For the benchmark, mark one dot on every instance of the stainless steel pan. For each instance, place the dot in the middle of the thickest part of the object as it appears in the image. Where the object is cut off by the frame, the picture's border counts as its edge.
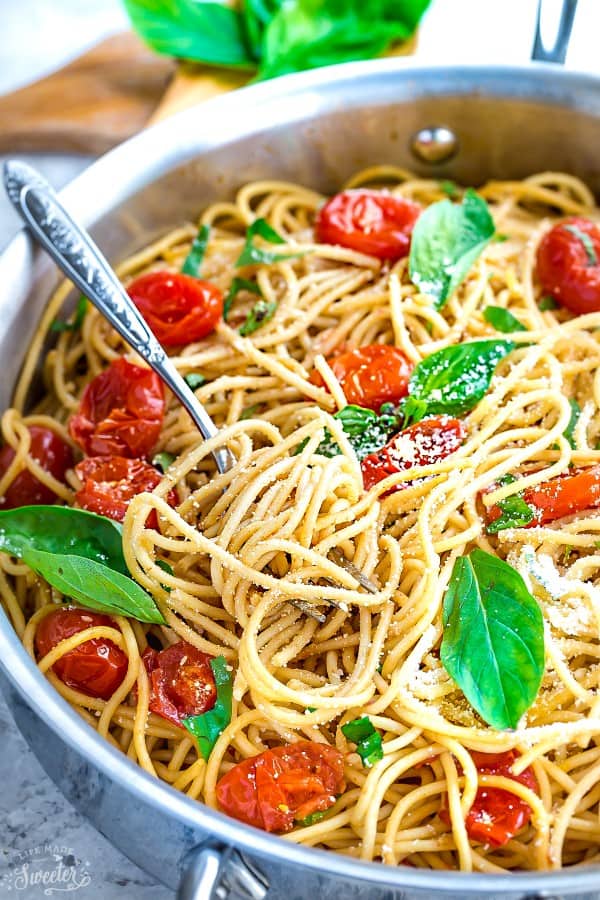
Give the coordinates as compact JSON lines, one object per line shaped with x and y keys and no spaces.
{"x":316,"y":128}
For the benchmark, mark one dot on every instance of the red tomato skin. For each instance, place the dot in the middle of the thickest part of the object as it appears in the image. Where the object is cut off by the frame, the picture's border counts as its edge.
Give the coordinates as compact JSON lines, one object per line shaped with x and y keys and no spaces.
{"x":52,"y":453}
{"x":182,"y":683}
{"x":563,"y":267}
{"x":111,"y":482}
{"x":422,"y":444}
{"x":282,"y":785}
{"x":559,"y":497}
{"x":372,"y":222}
{"x":120,"y":413}
{"x":178,"y":308}
{"x":95,"y":668}
{"x":371,"y":375}
{"x":497,"y":815}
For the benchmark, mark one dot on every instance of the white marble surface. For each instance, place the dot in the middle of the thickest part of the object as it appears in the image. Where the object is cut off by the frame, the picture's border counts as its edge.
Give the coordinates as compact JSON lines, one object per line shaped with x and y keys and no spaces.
{"x":38,"y":828}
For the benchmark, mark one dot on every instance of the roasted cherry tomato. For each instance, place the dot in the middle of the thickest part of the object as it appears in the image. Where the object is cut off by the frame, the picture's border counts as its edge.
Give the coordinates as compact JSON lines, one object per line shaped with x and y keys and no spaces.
{"x":97,"y":667}
{"x":182,"y":683}
{"x":422,"y":444}
{"x":283,"y":785}
{"x":497,"y":815}
{"x":370,"y":376}
{"x":568,"y":265}
{"x":372,"y":222}
{"x":178,"y":308}
{"x":54,"y":455}
{"x":111,"y":482}
{"x":121,"y":412}
{"x":559,"y":497}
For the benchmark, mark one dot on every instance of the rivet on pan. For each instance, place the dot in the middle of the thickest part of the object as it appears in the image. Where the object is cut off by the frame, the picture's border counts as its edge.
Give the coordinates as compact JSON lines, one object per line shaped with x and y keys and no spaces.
{"x":434,"y":145}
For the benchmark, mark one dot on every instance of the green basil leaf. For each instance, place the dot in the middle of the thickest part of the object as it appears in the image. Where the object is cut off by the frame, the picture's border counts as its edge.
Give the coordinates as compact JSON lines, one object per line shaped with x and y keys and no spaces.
{"x":62,"y":530}
{"x":569,"y":431}
{"x":493,"y":643}
{"x":193,"y":261}
{"x":450,"y":189}
{"x":367,"y":431}
{"x":516,"y":513}
{"x":237,"y":285}
{"x":194,"y":380}
{"x":94,"y":585}
{"x":587,"y":242}
{"x":164,"y":565}
{"x":162,"y":461}
{"x":189,"y":29}
{"x":368,"y":741}
{"x":453,"y":380}
{"x":75,"y":323}
{"x":256,"y":16}
{"x":262,"y":312}
{"x":502,"y":320}
{"x":208,"y":727}
{"x":547,"y":303}
{"x":250,"y":411}
{"x":313,"y":818}
{"x":252,"y":255}
{"x":446,"y":241}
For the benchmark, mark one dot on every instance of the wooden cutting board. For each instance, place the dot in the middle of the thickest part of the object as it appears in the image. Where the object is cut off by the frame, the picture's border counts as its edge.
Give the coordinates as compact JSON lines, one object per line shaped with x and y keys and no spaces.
{"x":107,"y":95}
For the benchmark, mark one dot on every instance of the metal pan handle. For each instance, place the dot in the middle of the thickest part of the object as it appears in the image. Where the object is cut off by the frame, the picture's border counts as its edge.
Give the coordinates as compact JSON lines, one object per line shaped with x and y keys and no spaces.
{"x":556,"y":51}
{"x":212,"y":873}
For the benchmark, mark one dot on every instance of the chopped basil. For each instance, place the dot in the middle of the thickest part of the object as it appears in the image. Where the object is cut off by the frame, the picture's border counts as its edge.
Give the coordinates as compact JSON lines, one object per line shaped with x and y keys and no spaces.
{"x":237,"y":285}
{"x":250,"y":411}
{"x":164,"y":565}
{"x":450,"y":189}
{"x":587,"y":242}
{"x":493,"y":641}
{"x":446,"y":241}
{"x":76,"y":321}
{"x":162,"y":460}
{"x":193,"y":261}
{"x":208,"y":727}
{"x":567,"y":553}
{"x":502,"y":320}
{"x":368,"y":742}
{"x":194,"y":380}
{"x":366,"y":430}
{"x":569,"y":431}
{"x":499,"y":238}
{"x":313,"y":818}
{"x":516,"y":513}
{"x":547,"y":303}
{"x":252,"y":255}
{"x":262,"y":312}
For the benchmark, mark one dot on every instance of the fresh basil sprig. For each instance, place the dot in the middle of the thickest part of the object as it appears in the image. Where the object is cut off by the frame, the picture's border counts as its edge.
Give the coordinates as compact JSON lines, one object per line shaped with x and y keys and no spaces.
{"x":502,"y":320}
{"x":493,"y":643}
{"x":76,"y":321}
{"x":237,"y":285}
{"x":253,"y":255}
{"x":261,"y":313}
{"x":193,"y":261}
{"x":80,"y":554}
{"x":515,"y":512}
{"x":208,"y":726}
{"x":446,"y":240}
{"x":368,"y":741}
{"x":453,"y":380}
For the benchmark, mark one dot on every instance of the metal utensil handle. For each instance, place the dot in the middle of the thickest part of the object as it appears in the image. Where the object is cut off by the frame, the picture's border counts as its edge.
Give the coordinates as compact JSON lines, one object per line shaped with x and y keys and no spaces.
{"x":212,"y":874}
{"x":75,"y":253}
{"x":557,"y":52}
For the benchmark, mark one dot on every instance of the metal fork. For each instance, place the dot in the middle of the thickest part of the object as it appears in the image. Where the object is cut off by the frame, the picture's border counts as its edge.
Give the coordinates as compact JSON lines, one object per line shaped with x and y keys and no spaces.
{"x":76,"y":254}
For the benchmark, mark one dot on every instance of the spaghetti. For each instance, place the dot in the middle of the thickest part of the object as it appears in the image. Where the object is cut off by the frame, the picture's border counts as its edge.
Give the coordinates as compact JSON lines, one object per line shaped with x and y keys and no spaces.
{"x":250,"y":572}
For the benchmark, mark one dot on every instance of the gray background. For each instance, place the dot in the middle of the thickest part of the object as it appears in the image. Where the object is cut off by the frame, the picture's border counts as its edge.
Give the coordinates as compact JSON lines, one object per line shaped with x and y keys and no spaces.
{"x":35,"y":37}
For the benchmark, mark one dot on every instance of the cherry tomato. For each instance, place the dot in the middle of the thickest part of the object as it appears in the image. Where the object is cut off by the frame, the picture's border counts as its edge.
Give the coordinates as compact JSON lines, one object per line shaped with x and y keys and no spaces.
{"x":497,"y":815}
{"x":565,"y":268}
{"x":372,"y":222}
{"x":422,"y":444}
{"x":97,"y":667}
{"x":182,"y":683}
{"x":560,"y":496}
{"x":111,"y":482}
{"x":283,"y":785}
{"x":54,"y":455}
{"x":121,"y":412}
{"x":371,"y":375}
{"x":178,"y":308}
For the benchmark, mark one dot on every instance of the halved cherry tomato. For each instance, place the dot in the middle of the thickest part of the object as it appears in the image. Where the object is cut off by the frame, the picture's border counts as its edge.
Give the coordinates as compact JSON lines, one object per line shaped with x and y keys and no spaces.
{"x":283,"y":785}
{"x":497,"y":815}
{"x":371,"y":375}
{"x":111,"y":482}
{"x":182,"y":683}
{"x":423,"y":444}
{"x":54,"y":455}
{"x":178,"y":308}
{"x":372,"y":222}
{"x":97,"y":667}
{"x":565,"y":269}
{"x":121,"y":412}
{"x":559,"y":497}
